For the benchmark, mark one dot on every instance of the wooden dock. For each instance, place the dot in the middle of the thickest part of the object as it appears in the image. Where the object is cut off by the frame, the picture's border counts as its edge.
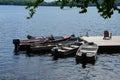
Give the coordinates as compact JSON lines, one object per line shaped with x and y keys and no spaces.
{"x":111,"y":46}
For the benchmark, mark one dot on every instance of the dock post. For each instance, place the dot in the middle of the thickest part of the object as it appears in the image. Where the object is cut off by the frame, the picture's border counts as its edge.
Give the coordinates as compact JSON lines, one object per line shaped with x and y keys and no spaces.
{"x":87,"y":34}
{"x":110,"y":35}
{"x":16,"y":43}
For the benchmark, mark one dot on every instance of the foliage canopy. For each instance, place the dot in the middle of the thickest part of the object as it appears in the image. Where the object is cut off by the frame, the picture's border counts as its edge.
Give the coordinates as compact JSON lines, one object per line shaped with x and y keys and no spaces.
{"x":106,"y":8}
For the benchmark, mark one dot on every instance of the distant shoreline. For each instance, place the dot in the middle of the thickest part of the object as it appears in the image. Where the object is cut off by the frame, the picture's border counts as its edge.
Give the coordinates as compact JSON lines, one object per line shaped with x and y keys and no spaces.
{"x":23,"y":4}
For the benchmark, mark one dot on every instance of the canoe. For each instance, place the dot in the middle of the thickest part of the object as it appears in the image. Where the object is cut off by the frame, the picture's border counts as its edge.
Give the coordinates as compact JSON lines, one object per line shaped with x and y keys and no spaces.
{"x":64,"y":51}
{"x":87,"y":53}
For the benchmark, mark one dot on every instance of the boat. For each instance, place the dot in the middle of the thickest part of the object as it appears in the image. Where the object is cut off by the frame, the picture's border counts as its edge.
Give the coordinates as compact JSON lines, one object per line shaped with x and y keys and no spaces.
{"x":21,"y":45}
{"x":45,"y":39}
{"x":51,"y":38}
{"x":39,"y":48}
{"x":64,"y":51}
{"x":87,"y":53}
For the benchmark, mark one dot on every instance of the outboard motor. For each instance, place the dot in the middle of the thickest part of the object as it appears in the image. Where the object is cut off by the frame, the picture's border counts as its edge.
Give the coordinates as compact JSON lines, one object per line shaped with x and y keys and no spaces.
{"x":84,"y":62}
{"x":54,"y":53}
{"x":28,"y":50}
{"x":16,"y":43}
{"x":56,"y":50}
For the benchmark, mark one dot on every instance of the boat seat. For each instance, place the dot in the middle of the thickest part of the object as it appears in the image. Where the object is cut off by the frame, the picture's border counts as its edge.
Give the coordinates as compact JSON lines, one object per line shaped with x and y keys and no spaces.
{"x":86,"y":51}
{"x":67,"y":48}
{"x":74,"y":46}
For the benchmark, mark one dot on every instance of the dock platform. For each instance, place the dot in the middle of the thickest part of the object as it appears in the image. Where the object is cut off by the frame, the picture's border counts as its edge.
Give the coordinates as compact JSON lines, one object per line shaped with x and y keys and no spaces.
{"x":110,"y":46}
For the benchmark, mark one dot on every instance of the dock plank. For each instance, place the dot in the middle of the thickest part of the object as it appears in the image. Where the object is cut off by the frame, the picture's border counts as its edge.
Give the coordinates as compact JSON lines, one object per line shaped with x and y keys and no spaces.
{"x":105,"y":46}
{"x":114,"y":41}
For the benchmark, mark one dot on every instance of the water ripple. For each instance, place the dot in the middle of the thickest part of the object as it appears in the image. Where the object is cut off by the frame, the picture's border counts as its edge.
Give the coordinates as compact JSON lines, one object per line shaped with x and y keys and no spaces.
{"x":52,"y":20}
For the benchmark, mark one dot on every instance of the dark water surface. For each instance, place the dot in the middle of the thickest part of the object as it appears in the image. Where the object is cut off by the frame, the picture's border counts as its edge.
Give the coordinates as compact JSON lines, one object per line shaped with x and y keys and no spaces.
{"x":52,"y":20}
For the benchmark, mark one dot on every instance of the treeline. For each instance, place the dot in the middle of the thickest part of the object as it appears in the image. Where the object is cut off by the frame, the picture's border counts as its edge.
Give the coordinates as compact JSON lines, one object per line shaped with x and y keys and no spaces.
{"x":23,"y":2}
{"x":13,"y":2}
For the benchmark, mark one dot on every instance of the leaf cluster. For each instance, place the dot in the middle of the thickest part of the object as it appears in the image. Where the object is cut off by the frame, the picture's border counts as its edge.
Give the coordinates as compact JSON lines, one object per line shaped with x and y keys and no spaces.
{"x":31,"y":6}
{"x":106,"y":8}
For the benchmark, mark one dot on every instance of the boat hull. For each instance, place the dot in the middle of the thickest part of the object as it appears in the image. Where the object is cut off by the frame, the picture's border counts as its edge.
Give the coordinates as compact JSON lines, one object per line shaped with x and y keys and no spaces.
{"x":40,"y":49}
{"x":22,"y":45}
{"x":69,"y":53}
{"x":66,"y":51}
{"x":87,"y":53}
{"x":82,"y":60}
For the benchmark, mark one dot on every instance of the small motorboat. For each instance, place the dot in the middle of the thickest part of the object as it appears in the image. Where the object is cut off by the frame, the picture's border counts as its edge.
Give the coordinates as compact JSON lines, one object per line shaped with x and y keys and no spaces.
{"x":87,"y":53}
{"x":21,"y":45}
{"x":39,"y":48}
{"x":67,"y":50}
{"x":51,"y":37}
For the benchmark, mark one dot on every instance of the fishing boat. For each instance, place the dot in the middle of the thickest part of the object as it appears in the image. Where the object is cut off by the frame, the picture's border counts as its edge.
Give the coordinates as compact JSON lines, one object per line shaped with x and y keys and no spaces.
{"x":67,"y":50}
{"x":87,"y":53}
{"x":21,"y":45}
{"x":51,"y":38}
{"x":39,"y":48}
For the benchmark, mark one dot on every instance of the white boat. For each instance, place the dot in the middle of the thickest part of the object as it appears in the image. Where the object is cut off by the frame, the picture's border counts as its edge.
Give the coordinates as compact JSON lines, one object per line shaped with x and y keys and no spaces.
{"x":87,"y":53}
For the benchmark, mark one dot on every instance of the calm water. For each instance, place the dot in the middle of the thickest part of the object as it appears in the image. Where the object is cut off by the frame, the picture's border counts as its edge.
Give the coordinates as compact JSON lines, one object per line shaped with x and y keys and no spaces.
{"x":52,"y":20}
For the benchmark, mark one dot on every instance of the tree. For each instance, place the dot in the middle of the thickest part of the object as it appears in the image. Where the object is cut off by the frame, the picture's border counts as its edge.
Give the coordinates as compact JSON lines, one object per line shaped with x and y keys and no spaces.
{"x":106,"y":8}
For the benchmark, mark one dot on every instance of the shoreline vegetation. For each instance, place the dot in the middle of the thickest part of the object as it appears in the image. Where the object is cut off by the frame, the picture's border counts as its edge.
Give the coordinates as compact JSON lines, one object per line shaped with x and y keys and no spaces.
{"x":23,"y":3}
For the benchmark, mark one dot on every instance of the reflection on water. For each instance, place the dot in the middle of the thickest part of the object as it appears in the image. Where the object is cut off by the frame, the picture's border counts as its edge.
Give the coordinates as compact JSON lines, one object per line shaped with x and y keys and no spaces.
{"x":43,"y":67}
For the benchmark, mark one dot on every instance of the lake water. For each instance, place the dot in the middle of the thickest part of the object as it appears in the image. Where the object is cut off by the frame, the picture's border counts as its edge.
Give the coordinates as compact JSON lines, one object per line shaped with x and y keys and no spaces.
{"x":53,"y":20}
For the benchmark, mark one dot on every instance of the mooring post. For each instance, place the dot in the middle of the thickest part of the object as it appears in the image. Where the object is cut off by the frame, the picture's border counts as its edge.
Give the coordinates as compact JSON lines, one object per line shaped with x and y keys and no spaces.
{"x":87,"y":34}
{"x":110,"y":35}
